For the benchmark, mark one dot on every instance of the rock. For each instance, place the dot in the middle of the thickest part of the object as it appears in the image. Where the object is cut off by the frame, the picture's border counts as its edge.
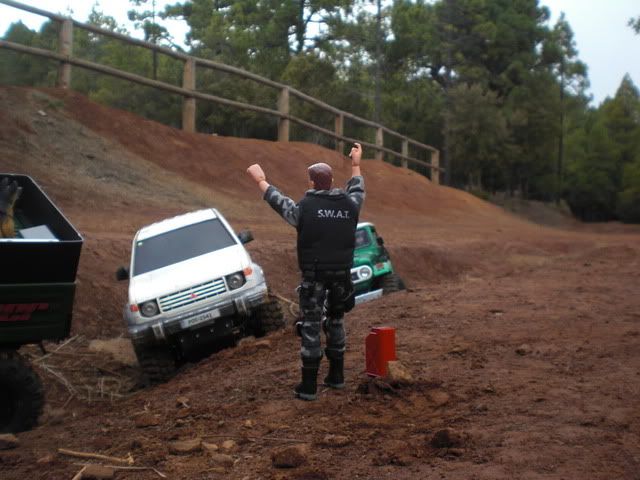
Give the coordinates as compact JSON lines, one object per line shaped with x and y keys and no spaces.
{"x":119,"y":348}
{"x":397,"y":373}
{"x":290,"y":457}
{"x":523,"y":349}
{"x":249,"y":424}
{"x":147,"y":420}
{"x":376,"y":386}
{"x":448,"y":438}
{"x":221,"y":460}
{"x":458,"y":350}
{"x":479,"y":408}
{"x":456,"y":452}
{"x":488,"y":389}
{"x":183,"y":413}
{"x":210,"y":447}
{"x":250,"y":343}
{"x":46,"y":459}
{"x":438,"y":397}
{"x":8,"y":441}
{"x":185,"y":446}
{"x":263,"y":344}
{"x":229,"y":445}
{"x":97,"y":472}
{"x":336,"y":441}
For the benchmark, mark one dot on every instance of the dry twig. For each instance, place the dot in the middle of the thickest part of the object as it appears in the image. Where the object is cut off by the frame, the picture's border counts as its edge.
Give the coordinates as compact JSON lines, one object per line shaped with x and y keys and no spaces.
{"x":62,"y":345}
{"x":78,"y":476}
{"x":58,"y":376}
{"x":96,"y":456}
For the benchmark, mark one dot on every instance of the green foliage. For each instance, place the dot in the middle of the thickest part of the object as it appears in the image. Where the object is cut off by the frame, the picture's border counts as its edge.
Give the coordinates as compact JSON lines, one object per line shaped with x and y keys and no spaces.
{"x":591,"y":190}
{"x":23,"y":69}
{"x":146,"y":21}
{"x":629,"y":197}
{"x":603,"y":181}
{"x":478,"y":129}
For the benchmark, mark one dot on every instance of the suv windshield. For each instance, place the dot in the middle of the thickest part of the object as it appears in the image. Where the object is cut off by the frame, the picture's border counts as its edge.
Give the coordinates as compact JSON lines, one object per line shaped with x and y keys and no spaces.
{"x":179,"y":245}
{"x":362,"y":238}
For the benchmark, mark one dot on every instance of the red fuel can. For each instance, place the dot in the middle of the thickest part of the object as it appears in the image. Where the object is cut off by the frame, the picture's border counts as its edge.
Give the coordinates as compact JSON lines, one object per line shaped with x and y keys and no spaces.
{"x":380,"y":346}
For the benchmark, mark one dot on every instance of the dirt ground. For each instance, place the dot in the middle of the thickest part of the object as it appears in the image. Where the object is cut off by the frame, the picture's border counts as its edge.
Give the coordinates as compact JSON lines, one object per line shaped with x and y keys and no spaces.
{"x":523,"y":340}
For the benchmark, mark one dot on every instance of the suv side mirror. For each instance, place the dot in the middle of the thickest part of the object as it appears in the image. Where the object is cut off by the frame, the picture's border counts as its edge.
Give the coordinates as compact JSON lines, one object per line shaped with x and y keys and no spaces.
{"x":245,"y":236}
{"x":122,"y":274}
{"x":380,"y":241}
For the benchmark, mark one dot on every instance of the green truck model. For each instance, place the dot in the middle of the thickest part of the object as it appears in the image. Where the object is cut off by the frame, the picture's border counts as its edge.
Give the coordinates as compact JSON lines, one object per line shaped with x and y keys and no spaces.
{"x":39,"y":254}
{"x":372,"y":273}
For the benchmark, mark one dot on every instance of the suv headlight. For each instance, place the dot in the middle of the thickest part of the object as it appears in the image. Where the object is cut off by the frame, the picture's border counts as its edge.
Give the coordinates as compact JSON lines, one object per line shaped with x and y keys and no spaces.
{"x":149,"y":309}
{"x":365,"y":272}
{"x":235,"y":280}
{"x":361,"y":274}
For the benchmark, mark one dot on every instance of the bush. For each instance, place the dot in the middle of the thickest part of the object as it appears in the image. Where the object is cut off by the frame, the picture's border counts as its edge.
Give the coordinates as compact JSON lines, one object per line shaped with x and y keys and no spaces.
{"x":629,"y":198}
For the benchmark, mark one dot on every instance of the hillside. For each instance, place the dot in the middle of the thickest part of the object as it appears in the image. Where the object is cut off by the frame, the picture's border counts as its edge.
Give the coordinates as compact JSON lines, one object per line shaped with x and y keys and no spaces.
{"x":523,"y":339}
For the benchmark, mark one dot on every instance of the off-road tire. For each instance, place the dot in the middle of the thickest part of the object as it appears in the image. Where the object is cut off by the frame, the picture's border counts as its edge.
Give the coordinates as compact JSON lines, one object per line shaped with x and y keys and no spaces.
{"x":158,"y":364}
{"x":391,"y":283}
{"x":268,"y":317}
{"x":21,"y":394}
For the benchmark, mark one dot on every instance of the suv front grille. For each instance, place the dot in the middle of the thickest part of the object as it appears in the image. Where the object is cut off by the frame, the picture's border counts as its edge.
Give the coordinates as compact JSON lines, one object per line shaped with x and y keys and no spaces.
{"x":191,"y":295}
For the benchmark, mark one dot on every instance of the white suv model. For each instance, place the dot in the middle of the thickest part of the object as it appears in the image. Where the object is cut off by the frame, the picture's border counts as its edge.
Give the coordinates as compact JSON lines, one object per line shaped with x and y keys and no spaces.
{"x":192,"y":284}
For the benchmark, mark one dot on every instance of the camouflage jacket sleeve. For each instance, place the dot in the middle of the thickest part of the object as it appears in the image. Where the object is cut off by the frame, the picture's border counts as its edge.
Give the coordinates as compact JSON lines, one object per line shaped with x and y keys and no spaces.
{"x":286,"y":208}
{"x":355,"y":190}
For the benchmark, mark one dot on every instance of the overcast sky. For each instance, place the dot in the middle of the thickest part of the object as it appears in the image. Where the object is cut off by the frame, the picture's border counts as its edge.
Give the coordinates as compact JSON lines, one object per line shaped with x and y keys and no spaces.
{"x":605,"y":43}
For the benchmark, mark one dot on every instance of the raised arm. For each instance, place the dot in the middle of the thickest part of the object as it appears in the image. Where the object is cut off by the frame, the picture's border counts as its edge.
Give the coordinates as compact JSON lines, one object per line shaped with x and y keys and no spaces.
{"x":286,"y":208}
{"x":355,"y":185}
{"x":356,"y":156}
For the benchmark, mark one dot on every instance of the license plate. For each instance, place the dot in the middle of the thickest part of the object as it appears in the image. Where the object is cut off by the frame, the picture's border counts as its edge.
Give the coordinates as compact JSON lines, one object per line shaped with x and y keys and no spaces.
{"x":210,"y":315}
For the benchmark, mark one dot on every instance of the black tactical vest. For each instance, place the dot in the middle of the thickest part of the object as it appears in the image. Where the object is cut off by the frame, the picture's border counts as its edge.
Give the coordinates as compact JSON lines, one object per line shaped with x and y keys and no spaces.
{"x":326,"y":231}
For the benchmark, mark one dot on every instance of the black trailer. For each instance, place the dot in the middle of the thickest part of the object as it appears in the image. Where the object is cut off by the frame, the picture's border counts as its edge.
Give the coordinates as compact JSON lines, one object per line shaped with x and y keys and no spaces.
{"x":37,"y":286}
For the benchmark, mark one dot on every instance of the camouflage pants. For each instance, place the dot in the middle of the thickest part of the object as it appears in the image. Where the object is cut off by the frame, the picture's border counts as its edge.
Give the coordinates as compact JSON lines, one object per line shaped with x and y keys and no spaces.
{"x":323,"y":303}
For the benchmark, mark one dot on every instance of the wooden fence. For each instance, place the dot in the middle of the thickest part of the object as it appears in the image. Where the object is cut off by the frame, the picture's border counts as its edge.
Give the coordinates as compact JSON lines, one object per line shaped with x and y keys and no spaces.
{"x":189,"y":94}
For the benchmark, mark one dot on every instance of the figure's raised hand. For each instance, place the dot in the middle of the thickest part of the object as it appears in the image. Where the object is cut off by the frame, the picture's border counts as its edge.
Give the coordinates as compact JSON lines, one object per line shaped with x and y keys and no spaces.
{"x":255,"y":171}
{"x":356,"y":154}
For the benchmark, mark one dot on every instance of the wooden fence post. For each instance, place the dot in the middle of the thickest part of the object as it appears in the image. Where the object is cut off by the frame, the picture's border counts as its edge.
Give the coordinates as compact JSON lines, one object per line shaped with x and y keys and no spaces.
{"x":379,"y":143}
{"x":405,"y":152}
{"x":189,"y":103}
{"x":65,"y":47}
{"x":339,"y":130}
{"x":283,"y":108}
{"x":435,"y":162}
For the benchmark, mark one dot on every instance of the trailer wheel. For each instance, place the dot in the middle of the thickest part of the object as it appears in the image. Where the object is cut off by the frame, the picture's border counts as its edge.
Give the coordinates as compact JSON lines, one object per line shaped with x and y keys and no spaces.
{"x":21,"y":394}
{"x":158,"y":364}
{"x":391,"y":283}
{"x":268,"y":318}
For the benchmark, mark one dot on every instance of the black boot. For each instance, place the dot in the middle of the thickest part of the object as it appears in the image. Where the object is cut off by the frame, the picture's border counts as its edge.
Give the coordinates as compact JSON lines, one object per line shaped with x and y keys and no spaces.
{"x":335,"y":379}
{"x":306,"y":390}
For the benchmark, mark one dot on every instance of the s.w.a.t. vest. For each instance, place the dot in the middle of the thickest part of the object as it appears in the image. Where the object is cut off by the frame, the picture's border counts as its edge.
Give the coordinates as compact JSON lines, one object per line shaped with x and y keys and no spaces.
{"x":326,"y":231}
